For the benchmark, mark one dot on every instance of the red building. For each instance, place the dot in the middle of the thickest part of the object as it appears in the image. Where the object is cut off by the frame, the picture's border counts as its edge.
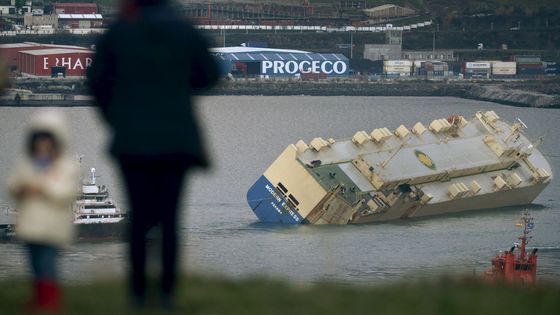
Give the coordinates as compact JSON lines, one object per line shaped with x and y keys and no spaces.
{"x":55,"y":62}
{"x":75,"y":8}
{"x":9,"y":52}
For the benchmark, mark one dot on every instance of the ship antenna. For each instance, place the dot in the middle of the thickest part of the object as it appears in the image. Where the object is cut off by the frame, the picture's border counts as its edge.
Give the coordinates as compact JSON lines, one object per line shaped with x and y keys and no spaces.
{"x":527,"y":227}
{"x":92,"y":178}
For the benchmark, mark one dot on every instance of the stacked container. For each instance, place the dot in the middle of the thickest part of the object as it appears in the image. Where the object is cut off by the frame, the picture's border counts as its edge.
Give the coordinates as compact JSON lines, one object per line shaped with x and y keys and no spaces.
{"x":504,"y":69}
{"x":397,"y":68}
{"x":477,"y":70}
{"x":551,"y":69}
{"x":530,"y":66}
{"x":434,"y":69}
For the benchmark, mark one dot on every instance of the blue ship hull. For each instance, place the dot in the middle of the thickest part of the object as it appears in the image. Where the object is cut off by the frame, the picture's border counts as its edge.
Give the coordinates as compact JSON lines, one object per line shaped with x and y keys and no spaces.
{"x":270,"y":205}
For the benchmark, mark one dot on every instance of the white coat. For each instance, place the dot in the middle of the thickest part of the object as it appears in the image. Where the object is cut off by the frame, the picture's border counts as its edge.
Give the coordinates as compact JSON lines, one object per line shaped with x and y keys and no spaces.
{"x":46,"y":218}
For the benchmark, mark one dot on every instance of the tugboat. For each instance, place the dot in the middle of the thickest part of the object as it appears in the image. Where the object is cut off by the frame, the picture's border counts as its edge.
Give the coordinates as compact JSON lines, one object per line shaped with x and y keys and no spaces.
{"x":514,"y":265}
{"x":95,"y":215}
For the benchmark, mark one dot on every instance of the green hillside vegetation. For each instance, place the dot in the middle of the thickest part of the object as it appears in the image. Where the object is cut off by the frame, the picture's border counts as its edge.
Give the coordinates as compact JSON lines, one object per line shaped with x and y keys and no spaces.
{"x":201,"y":295}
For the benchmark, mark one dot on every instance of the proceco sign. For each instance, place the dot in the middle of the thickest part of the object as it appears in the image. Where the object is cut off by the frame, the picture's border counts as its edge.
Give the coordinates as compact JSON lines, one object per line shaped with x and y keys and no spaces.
{"x":293,"y":67}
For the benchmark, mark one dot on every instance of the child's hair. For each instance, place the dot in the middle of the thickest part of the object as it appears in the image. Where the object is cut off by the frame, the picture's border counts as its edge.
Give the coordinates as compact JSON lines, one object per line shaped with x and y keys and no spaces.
{"x":41,"y":135}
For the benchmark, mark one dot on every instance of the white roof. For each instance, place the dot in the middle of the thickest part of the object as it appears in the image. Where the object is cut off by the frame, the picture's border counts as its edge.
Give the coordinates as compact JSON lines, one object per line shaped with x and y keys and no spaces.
{"x":56,"y":51}
{"x":18,"y":45}
{"x":241,"y":49}
{"x":33,"y":44}
{"x":80,"y":16}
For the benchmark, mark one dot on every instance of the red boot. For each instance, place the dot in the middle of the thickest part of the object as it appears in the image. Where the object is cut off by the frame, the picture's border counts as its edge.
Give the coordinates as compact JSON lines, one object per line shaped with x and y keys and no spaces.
{"x":48,"y":299}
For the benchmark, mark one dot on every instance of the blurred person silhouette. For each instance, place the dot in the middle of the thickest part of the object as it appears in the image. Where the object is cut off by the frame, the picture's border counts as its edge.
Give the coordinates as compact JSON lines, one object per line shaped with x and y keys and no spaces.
{"x":44,"y":185}
{"x":146,"y":68}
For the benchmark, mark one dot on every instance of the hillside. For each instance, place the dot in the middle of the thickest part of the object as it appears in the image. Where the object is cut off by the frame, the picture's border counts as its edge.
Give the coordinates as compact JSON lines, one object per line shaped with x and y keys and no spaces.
{"x":199,"y":295}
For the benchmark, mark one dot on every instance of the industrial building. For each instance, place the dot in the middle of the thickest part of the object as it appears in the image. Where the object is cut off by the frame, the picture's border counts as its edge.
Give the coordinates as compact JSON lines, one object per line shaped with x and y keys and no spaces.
{"x":75,"y":8}
{"x":32,"y":20}
{"x":10,"y":52}
{"x":382,"y":52}
{"x":268,"y":63}
{"x":55,"y":62}
{"x":392,"y":49}
{"x":438,"y":54}
{"x":80,"y":20}
{"x":388,"y":11}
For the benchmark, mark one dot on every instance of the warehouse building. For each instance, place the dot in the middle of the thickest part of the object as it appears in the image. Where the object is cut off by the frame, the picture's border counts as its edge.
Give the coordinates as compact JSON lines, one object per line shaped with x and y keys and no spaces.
{"x":75,"y":8}
{"x":388,"y":11}
{"x":80,"y":20}
{"x":438,"y":54}
{"x":268,"y":63}
{"x":382,"y":52}
{"x":10,"y":52}
{"x":32,"y":20}
{"x":55,"y":62}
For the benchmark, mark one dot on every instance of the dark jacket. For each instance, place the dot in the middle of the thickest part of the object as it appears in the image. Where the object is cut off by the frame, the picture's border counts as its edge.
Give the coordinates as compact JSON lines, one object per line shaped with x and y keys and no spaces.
{"x":145,"y":71}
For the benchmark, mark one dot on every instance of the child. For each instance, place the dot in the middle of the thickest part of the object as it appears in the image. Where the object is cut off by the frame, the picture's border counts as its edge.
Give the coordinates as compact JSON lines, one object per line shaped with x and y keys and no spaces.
{"x":44,"y":186}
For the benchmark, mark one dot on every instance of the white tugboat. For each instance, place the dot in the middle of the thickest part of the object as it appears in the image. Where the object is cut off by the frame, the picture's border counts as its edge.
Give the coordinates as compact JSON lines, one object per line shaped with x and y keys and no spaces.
{"x":96,"y":216}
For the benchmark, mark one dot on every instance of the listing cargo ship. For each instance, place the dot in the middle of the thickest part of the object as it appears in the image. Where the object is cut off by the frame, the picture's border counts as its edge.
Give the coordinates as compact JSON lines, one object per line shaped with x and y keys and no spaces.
{"x":451,"y":165}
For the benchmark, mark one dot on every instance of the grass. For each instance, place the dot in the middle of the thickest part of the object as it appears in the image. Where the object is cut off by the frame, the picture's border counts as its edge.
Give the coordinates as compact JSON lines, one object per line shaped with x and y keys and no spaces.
{"x":203,"y":295}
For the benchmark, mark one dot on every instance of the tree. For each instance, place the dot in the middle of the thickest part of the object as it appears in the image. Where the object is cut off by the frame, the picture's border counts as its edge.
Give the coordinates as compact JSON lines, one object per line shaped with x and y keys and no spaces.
{"x":19,"y":4}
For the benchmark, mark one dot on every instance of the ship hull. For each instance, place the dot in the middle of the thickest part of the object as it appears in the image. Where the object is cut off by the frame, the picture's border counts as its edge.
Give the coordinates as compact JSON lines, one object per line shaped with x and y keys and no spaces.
{"x":500,"y":199}
{"x":102,"y":231}
{"x":271,"y":207}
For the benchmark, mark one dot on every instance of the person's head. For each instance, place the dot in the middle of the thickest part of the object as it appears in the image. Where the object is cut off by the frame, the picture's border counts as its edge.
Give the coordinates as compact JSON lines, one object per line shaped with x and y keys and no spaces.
{"x":47,"y":136}
{"x":43,"y":146}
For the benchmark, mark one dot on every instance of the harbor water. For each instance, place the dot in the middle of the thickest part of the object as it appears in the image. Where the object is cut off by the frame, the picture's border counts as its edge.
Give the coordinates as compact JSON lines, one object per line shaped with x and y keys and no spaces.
{"x":221,"y":235}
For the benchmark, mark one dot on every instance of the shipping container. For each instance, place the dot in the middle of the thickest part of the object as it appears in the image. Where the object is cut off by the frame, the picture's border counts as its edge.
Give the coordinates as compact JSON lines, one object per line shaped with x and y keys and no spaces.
{"x":397,"y":69}
{"x":502,"y":68}
{"x":476,"y":75}
{"x":504,"y":64}
{"x":398,"y":63}
{"x":478,"y":65}
{"x":531,"y":71}
{"x":551,"y":68}
{"x":527,"y":59}
{"x":504,"y":71}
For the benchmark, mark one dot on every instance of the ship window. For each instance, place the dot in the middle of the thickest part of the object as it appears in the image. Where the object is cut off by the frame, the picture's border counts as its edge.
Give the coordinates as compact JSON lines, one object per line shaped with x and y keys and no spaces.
{"x":294,"y":200}
{"x":291,"y":203}
{"x":282,"y":188}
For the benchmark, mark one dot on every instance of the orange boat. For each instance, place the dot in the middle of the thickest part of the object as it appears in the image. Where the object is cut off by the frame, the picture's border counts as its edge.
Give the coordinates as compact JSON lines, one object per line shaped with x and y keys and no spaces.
{"x":515,"y":265}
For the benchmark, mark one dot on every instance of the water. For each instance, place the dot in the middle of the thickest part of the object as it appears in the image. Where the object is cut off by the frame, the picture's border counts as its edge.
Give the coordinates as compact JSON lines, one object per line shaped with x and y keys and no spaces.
{"x":221,"y":235}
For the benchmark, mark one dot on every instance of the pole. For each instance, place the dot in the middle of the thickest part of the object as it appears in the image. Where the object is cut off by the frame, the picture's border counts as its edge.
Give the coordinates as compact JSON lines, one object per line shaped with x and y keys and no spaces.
{"x":351,"y":45}
{"x":434,"y":45}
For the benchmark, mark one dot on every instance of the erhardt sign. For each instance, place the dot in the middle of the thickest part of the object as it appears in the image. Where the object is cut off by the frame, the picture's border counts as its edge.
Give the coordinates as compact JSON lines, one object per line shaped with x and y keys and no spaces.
{"x":69,"y":63}
{"x":278,"y":67}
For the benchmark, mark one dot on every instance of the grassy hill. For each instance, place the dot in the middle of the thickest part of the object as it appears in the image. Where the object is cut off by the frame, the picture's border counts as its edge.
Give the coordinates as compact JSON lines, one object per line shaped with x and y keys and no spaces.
{"x":200,"y":295}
